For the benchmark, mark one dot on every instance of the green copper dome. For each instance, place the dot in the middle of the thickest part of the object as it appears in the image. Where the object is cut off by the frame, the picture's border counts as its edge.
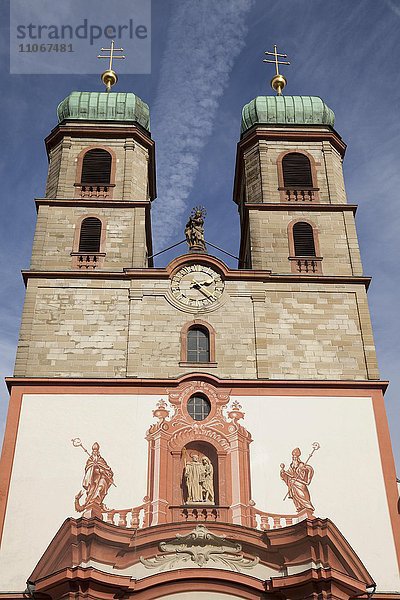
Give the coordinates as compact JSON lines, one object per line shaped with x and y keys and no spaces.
{"x":103,"y":106}
{"x":286,"y":110}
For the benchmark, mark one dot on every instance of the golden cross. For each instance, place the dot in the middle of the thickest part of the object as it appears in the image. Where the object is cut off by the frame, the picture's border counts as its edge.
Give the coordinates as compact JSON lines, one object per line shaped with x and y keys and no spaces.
{"x":111,"y":56}
{"x":278,"y":82}
{"x":109,"y":77}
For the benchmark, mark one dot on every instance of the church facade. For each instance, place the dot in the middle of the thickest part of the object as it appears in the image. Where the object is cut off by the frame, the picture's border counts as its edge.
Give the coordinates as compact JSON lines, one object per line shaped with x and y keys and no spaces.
{"x":197,"y":431}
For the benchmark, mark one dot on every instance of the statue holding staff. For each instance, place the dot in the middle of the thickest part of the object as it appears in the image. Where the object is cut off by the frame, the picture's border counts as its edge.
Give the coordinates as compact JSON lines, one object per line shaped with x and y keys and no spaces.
{"x":97,"y":479}
{"x":298,"y":477}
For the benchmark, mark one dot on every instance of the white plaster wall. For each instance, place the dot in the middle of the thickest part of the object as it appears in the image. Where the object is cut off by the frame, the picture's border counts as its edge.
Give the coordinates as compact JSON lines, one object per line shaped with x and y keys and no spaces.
{"x":48,"y":470}
{"x":348,"y":485}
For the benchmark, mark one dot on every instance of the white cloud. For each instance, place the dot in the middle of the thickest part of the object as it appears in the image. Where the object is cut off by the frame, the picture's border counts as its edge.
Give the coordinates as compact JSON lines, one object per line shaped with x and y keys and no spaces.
{"x":204,"y":39}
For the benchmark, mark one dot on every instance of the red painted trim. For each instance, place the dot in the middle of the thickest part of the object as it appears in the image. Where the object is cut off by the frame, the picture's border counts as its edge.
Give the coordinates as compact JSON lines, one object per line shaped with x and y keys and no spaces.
{"x":8,"y":452}
{"x":257,"y":387}
{"x":77,"y":237}
{"x":79,"y":167}
{"x":281,"y":181}
{"x":81,"y":540}
{"x":292,"y":252}
{"x":388,"y":466}
{"x":211,"y":341}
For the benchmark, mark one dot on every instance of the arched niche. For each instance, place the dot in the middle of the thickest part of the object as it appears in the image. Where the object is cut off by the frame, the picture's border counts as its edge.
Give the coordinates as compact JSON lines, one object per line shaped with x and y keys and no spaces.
{"x":203,"y":450}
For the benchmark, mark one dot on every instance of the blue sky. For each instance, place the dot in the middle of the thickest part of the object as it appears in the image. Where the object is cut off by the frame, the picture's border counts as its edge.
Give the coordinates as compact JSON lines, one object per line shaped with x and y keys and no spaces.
{"x":206,"y":64}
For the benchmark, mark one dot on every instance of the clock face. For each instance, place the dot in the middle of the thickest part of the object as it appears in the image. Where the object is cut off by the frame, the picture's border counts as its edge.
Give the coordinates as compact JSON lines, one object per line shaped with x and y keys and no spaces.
{"x":197,"y":285}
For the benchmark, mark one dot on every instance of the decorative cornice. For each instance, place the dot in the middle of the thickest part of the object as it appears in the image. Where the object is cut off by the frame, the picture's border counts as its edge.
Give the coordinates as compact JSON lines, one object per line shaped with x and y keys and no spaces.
{"x":102,"y":129}
{"x":139,"y":385}
{"x":301,"y":206}
{"x":302,"y":133}
{"x":315,"y":541}
{"x":229,"y":275}
{"x":96,"y":203}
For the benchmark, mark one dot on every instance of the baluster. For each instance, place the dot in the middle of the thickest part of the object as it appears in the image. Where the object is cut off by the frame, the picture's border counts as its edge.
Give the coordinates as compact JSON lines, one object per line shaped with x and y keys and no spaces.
{"x":122,"y":518}
{"x":277,"y":523}
{"x":135,"y":521}
{"x":108,"y":517}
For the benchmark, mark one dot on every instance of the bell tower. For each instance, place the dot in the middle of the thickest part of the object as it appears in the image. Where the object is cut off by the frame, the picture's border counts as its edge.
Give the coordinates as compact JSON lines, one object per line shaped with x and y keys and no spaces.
{"x":93,"y":223}
{"x":101,"y":166}
{"x":289,"y":186}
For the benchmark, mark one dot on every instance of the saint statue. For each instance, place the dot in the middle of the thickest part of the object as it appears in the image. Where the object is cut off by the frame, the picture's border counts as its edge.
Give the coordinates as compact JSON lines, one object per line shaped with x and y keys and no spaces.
{"x":194,"y":230}
{"x":298,"y":477}
{"x":207,"y":482}
{"x":199,"y":480}
{"x":96,"y":481}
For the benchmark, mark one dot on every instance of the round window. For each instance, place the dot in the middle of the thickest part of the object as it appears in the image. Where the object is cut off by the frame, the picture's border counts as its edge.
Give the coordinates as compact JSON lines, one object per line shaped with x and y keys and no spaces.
{"x":198,"y":407}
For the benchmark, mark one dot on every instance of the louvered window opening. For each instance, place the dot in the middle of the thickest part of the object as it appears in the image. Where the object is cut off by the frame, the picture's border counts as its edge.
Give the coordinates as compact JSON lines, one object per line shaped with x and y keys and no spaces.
{"x":198,"y":345}
{"x":296,"y":171}
{"x":303,"y":236}
{"x":96,"y":167}
{"x":89,"y":240}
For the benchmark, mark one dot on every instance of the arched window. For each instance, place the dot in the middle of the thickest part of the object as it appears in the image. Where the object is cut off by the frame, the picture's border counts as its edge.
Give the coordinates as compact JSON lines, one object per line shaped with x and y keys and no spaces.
{"x":96,"y":167}
{"x":304,"y":248}
{"x":303,"y":239}
{"x":198,"y":345}
{"x":296,"y":169}
{"x":90,"y":235}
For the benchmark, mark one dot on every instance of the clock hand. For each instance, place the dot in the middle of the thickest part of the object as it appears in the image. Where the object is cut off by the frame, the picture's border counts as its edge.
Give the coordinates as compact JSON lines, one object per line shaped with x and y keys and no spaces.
{"x":201,"y":289}
{"x":196,"y":283}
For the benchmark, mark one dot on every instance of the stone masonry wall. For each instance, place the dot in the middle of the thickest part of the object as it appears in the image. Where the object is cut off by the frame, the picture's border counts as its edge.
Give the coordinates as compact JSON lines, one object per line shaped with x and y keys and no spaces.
{"x":131,"y":167}
{"x":104,"y":328}
{"x":261,"y":170}
{"x":269,"y":240}
{"x":57,"y":235}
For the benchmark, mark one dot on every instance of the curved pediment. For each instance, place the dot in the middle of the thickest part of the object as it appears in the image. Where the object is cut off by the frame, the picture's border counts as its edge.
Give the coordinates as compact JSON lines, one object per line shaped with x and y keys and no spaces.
{"x":311,"y":552}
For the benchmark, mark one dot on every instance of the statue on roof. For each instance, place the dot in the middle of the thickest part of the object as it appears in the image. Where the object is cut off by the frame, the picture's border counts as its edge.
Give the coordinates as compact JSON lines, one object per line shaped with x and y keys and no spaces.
{"x":194,"y":230}
{"x":96,"y":482}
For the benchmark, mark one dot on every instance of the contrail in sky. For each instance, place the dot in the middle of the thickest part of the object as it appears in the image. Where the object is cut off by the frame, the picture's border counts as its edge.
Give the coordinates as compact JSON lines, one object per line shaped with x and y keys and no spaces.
{"x":204,"y":39}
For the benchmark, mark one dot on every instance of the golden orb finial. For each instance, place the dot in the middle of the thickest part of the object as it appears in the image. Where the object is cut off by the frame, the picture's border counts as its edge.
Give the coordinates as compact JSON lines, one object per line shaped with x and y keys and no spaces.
{"x":278,"y":82}
{"x":109,"y":77}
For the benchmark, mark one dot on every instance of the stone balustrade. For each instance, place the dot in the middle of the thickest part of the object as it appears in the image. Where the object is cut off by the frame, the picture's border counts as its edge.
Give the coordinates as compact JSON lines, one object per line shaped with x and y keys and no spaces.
{"x":266,"y":521}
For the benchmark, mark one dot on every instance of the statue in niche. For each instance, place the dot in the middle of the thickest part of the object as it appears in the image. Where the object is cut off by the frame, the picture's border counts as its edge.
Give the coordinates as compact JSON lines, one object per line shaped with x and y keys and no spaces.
{"x":198,"y":477}
{"x":194,"y":230}
{"x":97,"y":480}
{"x":297,"y":478}
{"x":207,"y":482}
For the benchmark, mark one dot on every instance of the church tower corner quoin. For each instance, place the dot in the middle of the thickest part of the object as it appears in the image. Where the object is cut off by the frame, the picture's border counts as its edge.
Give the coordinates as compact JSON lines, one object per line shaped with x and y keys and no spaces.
{"x":196,"y":428}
